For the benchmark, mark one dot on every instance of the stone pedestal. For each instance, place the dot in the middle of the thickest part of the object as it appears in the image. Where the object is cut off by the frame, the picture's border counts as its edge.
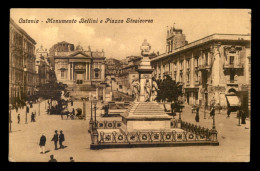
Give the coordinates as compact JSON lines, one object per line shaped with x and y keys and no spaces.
{"x":146,"y":116}
{"x":145,"y":73}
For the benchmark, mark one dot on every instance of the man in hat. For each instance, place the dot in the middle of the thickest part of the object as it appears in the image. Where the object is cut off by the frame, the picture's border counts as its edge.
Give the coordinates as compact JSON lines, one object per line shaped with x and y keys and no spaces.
{"x":52,"y":159}
{"x":61,"y":139}
{"x":55,"y":139}
{"x":42,"y":144}
{"x":71,"y":159}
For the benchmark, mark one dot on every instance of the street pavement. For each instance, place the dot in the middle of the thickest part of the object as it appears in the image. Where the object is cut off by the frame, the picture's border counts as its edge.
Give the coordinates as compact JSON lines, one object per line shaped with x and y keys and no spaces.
{"x":24,"y":141}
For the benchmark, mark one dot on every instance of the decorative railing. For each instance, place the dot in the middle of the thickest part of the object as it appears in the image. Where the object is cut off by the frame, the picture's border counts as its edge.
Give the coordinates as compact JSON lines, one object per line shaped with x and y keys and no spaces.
{"x":189,"y":132}
{"x":109,"y":124}
{"x":197,"y":130}
{"x":149,"y":137}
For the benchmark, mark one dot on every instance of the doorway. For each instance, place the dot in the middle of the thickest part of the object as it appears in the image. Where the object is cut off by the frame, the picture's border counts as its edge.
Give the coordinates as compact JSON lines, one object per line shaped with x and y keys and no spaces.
{"x":79,"y":77}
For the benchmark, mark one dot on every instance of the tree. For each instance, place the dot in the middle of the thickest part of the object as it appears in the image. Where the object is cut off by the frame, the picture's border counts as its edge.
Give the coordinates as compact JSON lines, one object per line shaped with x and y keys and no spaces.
{"x":170,"y":91}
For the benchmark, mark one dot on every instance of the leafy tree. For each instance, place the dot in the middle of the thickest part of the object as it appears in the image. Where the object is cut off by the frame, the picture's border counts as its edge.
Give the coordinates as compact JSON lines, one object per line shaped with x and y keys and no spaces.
{"x":170,"y":91}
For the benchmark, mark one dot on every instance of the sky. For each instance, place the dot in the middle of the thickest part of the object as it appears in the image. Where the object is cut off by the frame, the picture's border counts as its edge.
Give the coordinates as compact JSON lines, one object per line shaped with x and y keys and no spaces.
{"x":119,"y":40}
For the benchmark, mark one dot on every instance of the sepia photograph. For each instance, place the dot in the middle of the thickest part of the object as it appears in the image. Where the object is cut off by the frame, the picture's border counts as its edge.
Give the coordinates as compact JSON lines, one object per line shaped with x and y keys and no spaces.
{"x":129,"y":85}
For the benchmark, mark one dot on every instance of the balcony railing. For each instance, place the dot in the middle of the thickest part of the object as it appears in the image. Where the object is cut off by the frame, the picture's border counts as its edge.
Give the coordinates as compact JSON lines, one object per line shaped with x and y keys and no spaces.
{"x":233,"y":66}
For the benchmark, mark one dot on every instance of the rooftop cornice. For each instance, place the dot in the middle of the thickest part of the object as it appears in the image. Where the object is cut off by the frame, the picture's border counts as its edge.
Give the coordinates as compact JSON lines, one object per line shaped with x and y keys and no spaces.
{"x":22,"y":31}
{"x":213,"y":37}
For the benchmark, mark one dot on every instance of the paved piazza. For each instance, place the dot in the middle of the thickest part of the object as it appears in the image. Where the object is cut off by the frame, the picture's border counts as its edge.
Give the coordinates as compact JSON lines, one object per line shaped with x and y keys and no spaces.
{"x":24,"y":139}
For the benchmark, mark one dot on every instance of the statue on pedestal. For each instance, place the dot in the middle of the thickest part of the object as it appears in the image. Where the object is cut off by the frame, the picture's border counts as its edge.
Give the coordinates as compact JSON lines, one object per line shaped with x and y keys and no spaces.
{"x":145,"y":48}
{"x":147,"y":90}
{"x":136,"y":89}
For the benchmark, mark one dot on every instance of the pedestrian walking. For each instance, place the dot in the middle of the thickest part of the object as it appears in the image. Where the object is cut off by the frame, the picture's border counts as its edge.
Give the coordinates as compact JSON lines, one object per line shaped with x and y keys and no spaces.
{"x":61,"y":139}
{"x":228,"y":112}
{"x":243,"y":116}
{"x":32,"y":115}
{"x":18,"y":118}
{"x":52,"y":159}
{"x":42,"y":144}
{"x":71,"y":102}
{"x":197,"y":117}
{"x":55,"y":139}
{"x":71,"y":159}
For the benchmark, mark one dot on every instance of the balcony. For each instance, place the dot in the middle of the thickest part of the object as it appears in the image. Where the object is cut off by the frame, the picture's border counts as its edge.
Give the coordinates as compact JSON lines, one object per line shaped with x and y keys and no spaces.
{"x":233,"y":66}
{"x":232,"y":82}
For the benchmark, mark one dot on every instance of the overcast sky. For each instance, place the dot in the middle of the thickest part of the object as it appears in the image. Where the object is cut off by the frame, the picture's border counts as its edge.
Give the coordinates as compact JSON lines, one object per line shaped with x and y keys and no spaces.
{"x":121,"y":40}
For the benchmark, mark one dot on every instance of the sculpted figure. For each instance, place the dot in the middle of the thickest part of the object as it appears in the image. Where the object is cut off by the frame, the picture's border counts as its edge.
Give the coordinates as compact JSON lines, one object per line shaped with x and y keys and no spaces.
{"x":147,"y":90}
{"x":154,"y":89}
{"x":136,"y":89}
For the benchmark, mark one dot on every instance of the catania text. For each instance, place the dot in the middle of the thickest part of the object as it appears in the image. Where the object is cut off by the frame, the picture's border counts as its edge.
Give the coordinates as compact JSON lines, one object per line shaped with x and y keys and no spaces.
{"x":88,"y":20}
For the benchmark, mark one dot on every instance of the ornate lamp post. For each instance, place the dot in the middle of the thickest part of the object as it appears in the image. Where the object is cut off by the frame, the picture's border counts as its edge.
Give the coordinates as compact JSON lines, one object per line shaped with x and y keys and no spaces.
{"x":91,"y":116}
{"x":10,"y":118}
{"x":94,"y":133}
{"x":24,"y":81}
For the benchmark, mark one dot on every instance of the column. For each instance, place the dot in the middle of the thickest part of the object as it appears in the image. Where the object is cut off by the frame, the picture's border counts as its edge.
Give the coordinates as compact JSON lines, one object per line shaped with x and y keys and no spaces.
{"x":192,"y":70}
{"x":86,"y":71}
{"x":89,"y":66}
{"x":97,"y":93}
{"x":72,"y":71}
{"x":69,"y":71}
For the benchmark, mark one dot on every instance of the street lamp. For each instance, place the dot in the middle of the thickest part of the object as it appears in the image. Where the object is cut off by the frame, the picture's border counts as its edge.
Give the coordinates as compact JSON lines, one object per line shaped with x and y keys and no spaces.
{"x":95,"y":108}
{"x":24,"y":91}
{"x":91,"y":117}
{"x":10,"y":118}
{"x":94,"y":133}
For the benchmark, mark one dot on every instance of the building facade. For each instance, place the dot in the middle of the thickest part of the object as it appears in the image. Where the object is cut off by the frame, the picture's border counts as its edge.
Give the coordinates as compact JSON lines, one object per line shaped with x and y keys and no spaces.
{"x":42,"y":66}
{"x":209,"y":69}
{"x":78,"y":68}
{"x":22,"y":74}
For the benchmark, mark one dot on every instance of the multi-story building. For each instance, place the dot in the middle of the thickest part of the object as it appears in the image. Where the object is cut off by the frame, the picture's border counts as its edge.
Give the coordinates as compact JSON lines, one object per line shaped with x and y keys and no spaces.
{"x":42,"y":66}
{"x":22,"y":75}
{"x":113,"y":67}
{"x":80,"y":69}
{"x":210,"y":68}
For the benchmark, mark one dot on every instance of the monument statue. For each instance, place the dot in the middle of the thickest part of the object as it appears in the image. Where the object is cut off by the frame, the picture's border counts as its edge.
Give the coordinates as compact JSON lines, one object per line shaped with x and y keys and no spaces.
{"x":154,"y":89}
{"x":147,"y":92}
{"x":136,"y":89}
{"x":145,"y":48}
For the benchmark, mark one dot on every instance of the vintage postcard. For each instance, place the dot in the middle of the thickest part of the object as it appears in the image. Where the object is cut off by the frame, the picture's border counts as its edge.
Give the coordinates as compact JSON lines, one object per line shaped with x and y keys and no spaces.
{"x":129,"y":85}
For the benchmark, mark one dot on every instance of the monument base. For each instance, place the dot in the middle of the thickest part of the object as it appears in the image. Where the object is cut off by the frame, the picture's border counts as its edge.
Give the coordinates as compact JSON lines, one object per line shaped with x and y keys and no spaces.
{"x":142,"y":116}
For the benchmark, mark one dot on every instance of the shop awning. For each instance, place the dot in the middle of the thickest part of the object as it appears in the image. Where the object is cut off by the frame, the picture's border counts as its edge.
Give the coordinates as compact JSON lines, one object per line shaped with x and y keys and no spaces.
{"x":233,"y":101}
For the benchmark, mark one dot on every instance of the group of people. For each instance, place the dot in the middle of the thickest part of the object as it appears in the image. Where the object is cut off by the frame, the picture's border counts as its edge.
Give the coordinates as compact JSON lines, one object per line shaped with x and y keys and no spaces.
{"x":52,"y":159}
{"x":241,"y":114}
{"x":56,"y":137}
